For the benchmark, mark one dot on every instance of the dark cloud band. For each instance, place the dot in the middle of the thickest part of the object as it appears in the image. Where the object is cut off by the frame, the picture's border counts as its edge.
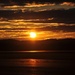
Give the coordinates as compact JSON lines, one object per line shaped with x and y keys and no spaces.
{"x":23,"y":2}
{"x":59,"y":16}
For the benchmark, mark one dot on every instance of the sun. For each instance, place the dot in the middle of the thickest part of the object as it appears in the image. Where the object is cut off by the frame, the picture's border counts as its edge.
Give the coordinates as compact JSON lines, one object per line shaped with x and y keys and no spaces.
{"x":33,"y":34}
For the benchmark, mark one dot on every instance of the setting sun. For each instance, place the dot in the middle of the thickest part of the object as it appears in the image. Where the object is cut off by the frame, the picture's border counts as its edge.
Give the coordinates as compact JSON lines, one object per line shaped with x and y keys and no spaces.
{"x":33,"y":34}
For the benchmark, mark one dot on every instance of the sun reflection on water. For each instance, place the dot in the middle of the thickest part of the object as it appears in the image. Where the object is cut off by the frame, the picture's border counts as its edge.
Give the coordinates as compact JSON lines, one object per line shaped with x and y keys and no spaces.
{"x":33,"y":62}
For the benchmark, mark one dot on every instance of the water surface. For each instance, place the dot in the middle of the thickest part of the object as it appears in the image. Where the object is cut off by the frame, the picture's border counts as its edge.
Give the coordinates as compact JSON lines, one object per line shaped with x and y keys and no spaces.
{"x":37,"y":62}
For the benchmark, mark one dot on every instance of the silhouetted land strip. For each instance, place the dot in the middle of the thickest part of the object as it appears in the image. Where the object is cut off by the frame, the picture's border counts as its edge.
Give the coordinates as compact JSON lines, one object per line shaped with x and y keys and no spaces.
{"x":50,"y":44}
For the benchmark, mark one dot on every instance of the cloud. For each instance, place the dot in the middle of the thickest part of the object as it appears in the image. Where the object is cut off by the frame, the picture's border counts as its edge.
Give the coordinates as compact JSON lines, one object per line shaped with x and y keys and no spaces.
{"x":68,"y":3}
{"x":39,"y":6}
{"x":58,"y":28}
{"x":18,"y":29}
{"x":29,"y":7}
{"x":23,"y":2}
{"x":22,"y":25}
{"x":50,"y":16}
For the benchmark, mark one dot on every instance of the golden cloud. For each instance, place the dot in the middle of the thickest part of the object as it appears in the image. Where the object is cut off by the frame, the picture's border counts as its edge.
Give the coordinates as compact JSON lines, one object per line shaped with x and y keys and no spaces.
{"x":68,"y":3}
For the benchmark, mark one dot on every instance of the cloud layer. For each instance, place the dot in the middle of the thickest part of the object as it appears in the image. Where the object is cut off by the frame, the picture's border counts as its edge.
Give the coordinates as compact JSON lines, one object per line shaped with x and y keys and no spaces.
{"x":49,"y":18}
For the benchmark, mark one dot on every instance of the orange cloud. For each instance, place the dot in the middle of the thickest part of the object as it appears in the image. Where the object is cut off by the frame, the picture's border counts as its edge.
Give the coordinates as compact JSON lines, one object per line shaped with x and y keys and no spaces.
{"x":38,"y":5}
{"x":68,"y":3}
{"x":28,"y":6}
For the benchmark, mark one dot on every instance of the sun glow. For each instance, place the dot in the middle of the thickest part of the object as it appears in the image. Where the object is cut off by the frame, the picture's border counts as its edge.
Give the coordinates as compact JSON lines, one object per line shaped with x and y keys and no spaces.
{"x":33,"y":34}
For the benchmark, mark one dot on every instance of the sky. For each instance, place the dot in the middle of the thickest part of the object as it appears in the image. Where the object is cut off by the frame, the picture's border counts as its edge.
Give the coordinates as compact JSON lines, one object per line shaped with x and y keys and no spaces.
{"x":50,"y":19}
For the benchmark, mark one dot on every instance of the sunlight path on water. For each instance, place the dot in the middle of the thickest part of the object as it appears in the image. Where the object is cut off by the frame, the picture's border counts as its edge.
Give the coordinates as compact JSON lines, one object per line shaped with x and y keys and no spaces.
{"x":36,"y":51}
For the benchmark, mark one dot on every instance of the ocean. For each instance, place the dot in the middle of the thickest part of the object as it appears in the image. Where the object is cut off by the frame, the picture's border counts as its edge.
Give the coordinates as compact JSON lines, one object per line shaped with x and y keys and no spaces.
{"x":38,"y":62}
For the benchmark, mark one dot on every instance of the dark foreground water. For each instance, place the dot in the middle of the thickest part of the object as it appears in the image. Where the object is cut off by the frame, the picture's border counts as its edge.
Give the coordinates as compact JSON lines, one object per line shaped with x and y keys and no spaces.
{"x":37,"y":63}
